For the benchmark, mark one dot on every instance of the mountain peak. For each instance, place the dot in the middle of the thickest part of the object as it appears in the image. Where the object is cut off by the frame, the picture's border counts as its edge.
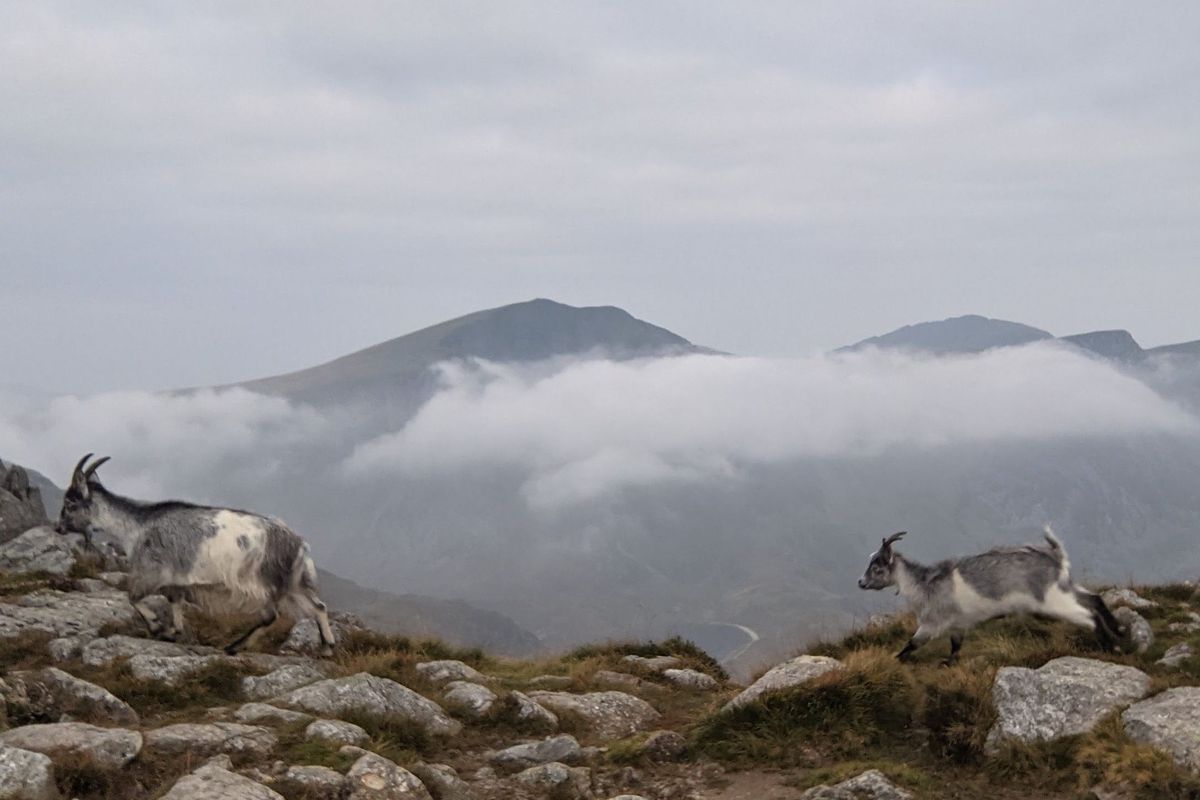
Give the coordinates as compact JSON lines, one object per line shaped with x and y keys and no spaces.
{"x":970,"y":333}
{"x":1118,"y":345}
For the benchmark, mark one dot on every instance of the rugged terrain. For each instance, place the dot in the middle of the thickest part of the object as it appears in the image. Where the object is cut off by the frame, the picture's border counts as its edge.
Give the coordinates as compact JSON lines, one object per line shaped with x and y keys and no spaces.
{"x":1033,"y":710}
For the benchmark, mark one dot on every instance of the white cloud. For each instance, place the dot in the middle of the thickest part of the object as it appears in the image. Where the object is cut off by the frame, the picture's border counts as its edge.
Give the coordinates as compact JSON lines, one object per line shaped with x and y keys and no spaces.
{"x":600,"y":425}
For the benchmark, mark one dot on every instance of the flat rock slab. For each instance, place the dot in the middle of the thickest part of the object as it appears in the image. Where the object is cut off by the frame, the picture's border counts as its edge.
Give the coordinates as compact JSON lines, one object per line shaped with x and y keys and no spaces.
{"x":25,"y":775}
{"x":106,"y":748}
{"x":374,"y":777}
{"x":264,"y":714}
{"x":335,"y":731}
{"x":102,"y":652}
{"x":1064,"y":697}
{"x":169,"y":670}
{"x":561,"y":748}
{"x":800,"y":669}
{"x":315,"y":781}
{"x":1170,"y":722}
{"x":216,"y":783}
{"x":365,"y":693}
{"x":449,"y":670}
{"x":610,"y":715}
{"x":210,"y":739}
{"x":64,"y":613}
{"x":281,"y":680}
{"x":40,"y":549}
{"x":870,"y":785}
{"x":56,"y":692}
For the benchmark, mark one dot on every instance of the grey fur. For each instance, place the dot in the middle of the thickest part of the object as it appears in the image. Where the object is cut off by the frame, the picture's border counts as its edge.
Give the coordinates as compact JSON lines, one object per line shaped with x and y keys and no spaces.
{"x":165,"y":544}
{"x":1005,"y":580}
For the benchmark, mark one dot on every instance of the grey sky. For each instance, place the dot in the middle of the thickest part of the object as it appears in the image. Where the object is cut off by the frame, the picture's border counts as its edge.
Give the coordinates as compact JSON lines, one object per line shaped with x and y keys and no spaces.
{"x":234,"y":189}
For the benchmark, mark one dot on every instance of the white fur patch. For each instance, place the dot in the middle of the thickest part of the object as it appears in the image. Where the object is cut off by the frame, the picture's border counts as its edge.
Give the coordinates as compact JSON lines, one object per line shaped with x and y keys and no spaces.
{"x":232,"y":557}
{"x":976,"y":608}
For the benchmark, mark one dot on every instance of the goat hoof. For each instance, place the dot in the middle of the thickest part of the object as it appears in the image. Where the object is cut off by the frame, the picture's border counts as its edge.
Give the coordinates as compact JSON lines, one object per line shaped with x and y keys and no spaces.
{"x":327,"y":651}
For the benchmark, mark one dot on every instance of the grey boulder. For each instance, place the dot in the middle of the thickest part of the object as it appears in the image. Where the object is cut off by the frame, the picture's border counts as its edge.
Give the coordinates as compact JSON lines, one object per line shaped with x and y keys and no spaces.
{"x":64,"y":613}
{"x":210,"y":739}
{"x":1175,"y":655}
{"x":795,"y":672}
{"x":51,"y":692}
{"x":449,"y":670}
{"x":374,"y":777}
{"x":691,"y":679}
{"x":472,"y":699}
{"x":556,"y":748}
{"x":169,"y":670}
{"x":609,"y":715}
{"x":335,"y":731}
{"x":364,"y":693}
{"x":264,"y":714}
{"x":530,"y":713}
{"x":315,"y":781}
{"x":1137,"y":629}
{"x":284,"y":679}
{"x":1064,"y":697}
{"x":25,"y":775}
{"x":870,"y":785}
{"x":107,"y":748}
{"x":558,"y":780}
{"x":212,"y":782}
{"x":40,"y":549}
{"x":443,"y":782}
{"x":1170,"y":722}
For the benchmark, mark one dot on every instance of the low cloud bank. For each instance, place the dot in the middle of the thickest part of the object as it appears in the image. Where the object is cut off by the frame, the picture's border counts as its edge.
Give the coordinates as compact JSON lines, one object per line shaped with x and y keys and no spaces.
{"x":597,"y":426}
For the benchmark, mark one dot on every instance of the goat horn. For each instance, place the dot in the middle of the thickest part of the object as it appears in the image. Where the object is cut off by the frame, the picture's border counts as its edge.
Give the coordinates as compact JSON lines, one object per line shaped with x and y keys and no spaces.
{"x":90,"y":471}
{"x":895,"y":537}
{"x":78,"y":477}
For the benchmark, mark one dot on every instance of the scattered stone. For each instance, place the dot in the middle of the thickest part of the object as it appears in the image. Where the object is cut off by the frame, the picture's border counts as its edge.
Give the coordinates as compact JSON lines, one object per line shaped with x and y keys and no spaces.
{"x":211,"y":782}
{"x":364,"y":693}
{"x":1064,"y":697}
{"x":373,"y":777}
{"x":1176,"y":655}
{"x":263,"y":714}
{"x":102,"y":652}
{"x":66,"y":648}
{"x":664,"y":746}
{"x":870,"y":785}
{"x":550,"y":681}
{"x":610,"y":678}
{"x":170,"y":670}
{"x":691,"y":679}
{"x":318,"y":781}
{"x":609,"y":715}
{"x":531,"y":713}
{"x":654,"y":664}
{"x":443,"y":782}
{"x":64,"y":613}
{"x":208,"y":739}
{"x":1140,"y":634}
{"x":26,"y":776}
{"x":40,"y":549}
{"x":556,"y":748}
{"x":1170,"y":722}
{"x":1191,"y":626}
{"x":800,"y":669}
{"x":1125,"y":597}
{"x":558,"y":780}
{"x":474,"y":700}
{"x":305,"y":636}
{"x":53,"y":693}
{"x":449,"y":670}
{"x":284,"y":679}
{"x":335,"y":731}
{"x":106,"y":748}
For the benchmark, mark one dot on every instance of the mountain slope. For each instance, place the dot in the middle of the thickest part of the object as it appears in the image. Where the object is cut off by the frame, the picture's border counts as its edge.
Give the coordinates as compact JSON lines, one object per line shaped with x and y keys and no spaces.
{"x":522,"y":332}
{"x":968,"y":334}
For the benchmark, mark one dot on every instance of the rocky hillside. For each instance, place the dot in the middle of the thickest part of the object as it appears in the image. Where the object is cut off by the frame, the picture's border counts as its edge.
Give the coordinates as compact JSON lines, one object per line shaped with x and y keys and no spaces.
{"x":92,"y":710}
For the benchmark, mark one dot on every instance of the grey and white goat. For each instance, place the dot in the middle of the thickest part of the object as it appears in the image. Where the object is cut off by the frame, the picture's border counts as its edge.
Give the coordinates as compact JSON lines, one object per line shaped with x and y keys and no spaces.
{"x":220,"y":558}
{"x":954,"y":595}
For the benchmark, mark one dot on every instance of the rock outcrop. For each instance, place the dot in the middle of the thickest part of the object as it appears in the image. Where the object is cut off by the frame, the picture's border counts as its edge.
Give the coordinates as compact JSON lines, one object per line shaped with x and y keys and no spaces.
{"x":364,"y":693}
{"x":21,"y":506}
{"x":40,"y":549}
{"x":608,"y":715}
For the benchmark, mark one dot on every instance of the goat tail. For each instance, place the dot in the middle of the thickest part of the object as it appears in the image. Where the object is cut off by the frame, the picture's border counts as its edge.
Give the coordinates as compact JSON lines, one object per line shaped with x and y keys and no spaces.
{"x":1058,"y":551}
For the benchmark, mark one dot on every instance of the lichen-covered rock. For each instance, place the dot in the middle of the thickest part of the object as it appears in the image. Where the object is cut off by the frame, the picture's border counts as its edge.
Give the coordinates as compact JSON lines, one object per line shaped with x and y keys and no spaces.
{"x":315,"y":781}
{"x":470,"y":698}
{"x":1125,"y":597}
{"x":1170,"y":722}
{"x":53,"y":693}
{"x":211,"y":782}
{"x":609,"y":715}
{"x":169,"y":670}
{"x":1137,"y":629}
{"x":102,"y":652}
{"x":26,"y":775}
{"x":1176,"y":654}
{"x":449,"y":670}
{"x":64,"y":613}
{"x":335,"y":731}
{"x":373,"y":777}
{"x":264,"y":714}
{"x":562,"y":748}
{"x":800,"y":669}
{"x":558,"y":780}
{"x":106,"y":748}
{"x":870,"y":785}
{"x":654,"y":663}
{"x":1064,"y":697}
{"x":443,"y":782}
{"x":40,"y":549}
{"x":529,"y":712}
{"x":208,"y":739}
{"x":284,"y":679}
{"x":66,"y":648}
{"x":691,"y":679}
{"x":364,"y":693}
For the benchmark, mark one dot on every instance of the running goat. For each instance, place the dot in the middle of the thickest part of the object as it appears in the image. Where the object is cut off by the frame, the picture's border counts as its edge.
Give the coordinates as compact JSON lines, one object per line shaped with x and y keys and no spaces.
{"x":222,"y":559}
{"x":957,"y":594}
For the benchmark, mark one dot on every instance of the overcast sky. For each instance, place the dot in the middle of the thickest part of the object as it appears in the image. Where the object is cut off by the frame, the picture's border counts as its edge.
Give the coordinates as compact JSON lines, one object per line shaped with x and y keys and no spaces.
{"x":200,"y":193}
